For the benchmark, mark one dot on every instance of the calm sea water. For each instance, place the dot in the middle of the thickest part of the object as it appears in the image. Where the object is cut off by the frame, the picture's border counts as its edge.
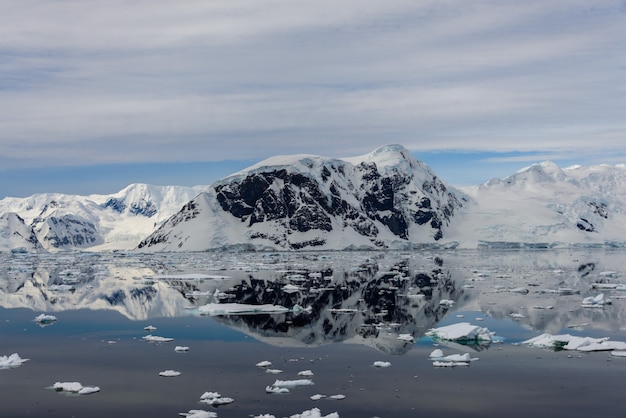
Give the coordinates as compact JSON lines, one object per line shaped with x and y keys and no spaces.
{"x":356,"y":305}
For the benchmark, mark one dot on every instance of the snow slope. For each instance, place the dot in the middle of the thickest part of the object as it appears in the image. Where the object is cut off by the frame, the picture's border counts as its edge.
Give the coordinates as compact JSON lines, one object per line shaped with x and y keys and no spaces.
{"x":544,"y":205}
{"x":385,"y":199}
{"x":98,"y":222}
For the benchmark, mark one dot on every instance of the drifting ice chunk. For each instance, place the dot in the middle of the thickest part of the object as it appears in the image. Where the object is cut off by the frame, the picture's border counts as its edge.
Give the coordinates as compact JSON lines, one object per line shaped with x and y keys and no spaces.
{"x":169,"y":373}
{"x":264,"y":363}
{"x":570,"y":342}
{"x":14,"y":360}
{"x":382,"y":364}
{"x":292,"y":383}
{"x":274,"y":389}
{"x":180,"y":348}
{"x":453,"y":360}
{"x":198,"y":413}
{"x":75,"y":387}
{"x":317,"y":397}
{"x":222,"y":309}
{"x":462,"y":332}
{"x":44,"y":319}
{"x":306,"y":373}
{"x":618,"y":353}
{"x":150,"y":328}
{"x":215,"y":399}
{"x":315,"y":413}
{"x":157,"y":339}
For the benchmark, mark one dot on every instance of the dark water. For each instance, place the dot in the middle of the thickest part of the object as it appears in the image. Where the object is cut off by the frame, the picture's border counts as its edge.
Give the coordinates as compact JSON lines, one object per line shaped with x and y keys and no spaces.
{"x":98,"y":337}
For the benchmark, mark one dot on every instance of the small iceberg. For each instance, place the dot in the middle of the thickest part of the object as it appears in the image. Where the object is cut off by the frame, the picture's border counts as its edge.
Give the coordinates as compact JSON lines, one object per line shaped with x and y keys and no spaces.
{"x":11,"y":361}
{"x":315,"y":413}
{"x":170,"y":373}
{"x":453,"y":360}
{"x":264,"y":363}
{"x":198,"y":413}
{"x":150,"y":328}
{"x":181,"y":349}
{"x":215,"y":399}
{"x":461,"y":332}
{"x":292,"y":383}
{"x":44,"y":319}
{"x":305,"y":373}
{"x":75,"y":387}
{"x":570,"y":342}
{"x":157,"y":339}
{"x":274,"y":389}
{"x":382,"y":364}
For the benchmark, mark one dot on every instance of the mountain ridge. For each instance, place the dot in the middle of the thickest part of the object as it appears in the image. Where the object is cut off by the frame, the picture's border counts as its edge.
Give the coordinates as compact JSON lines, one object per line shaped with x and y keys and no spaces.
{"x":381,"y":200}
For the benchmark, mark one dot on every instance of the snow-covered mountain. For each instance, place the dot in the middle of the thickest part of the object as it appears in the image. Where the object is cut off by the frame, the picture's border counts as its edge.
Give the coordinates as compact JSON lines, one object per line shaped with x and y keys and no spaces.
{"x":544,"y":205}
{"x":15,"y":235}
{"x":96,"y":222}
{"x":385,"y":199}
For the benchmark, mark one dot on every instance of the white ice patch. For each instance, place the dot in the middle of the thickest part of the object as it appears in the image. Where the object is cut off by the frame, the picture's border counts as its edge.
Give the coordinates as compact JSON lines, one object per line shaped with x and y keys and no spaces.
{"x":406,"y":337}
{"x":198,"y":413}
{"x":462,"y":331}
{"x":570,"y":342}
{"x":181,"y":349}
{"x":382,"y":364}
{"x":305,"y":373}
{"x":264,"y":363}
{"x":292,"y":383}
{"x":44,"y":319}
{"x":157,"y":339}
{"x":11,"y":361}
{"x":75,"y":387}
{"x":274,"y":389}
{"x":314,"y":413}
{"x":215,"y":399}
{"x":150,"y":328}
{"x":169,"y":373}
{"x":452,"y":360}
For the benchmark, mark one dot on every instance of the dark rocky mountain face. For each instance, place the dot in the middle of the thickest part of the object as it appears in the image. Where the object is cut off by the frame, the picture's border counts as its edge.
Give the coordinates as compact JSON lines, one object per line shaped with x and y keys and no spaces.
{"x":335,"y":195}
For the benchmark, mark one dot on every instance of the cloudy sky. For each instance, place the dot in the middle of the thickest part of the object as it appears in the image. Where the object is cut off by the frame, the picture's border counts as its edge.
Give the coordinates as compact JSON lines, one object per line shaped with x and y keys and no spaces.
{"x":98,"y":94}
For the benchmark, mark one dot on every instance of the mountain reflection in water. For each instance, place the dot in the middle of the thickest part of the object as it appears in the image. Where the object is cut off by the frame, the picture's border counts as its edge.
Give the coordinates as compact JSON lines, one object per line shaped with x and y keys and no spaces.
{"x":370,"y":298}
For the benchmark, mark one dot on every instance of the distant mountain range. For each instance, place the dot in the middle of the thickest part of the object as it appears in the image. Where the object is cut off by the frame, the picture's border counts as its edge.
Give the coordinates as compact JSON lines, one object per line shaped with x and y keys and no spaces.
{"x":383,"y":200}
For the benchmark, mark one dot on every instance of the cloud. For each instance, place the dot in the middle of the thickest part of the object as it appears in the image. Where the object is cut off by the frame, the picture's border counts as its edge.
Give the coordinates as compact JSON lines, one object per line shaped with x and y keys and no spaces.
{"x":108,"y":82}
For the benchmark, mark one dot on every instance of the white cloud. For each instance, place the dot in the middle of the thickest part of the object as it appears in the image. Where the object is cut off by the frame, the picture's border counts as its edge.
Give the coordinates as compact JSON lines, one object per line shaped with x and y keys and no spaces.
{"x":115,"y":81}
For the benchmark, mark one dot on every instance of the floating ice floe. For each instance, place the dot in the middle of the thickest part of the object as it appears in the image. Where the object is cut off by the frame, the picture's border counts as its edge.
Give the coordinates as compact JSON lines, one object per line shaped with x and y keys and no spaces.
{"x":169,"y":373}
{"x":461,"y":332}
{"x":223,"y":309}
{"x":314,"y":413}
{"x":452,"y":360}
{"x":11,"y":361}
{"x":382,"y":364}
{"x":617,"y":353}
{"x":597,"y":301}
{"x":157,"y":339}
{"x":273,"y":371}
{"x":570,"y":342}
{"x":215,"y":399}
{"x":275,"y":389}
{"x":181,"y":349}
{"x":44,"y":319}
{"x":75,"y":387}
{"x":198,"y":413}
{"x":150,"y":328}
{"x":305,"y":373}
{"x":292,"y":383}
{"x":264,"y":363}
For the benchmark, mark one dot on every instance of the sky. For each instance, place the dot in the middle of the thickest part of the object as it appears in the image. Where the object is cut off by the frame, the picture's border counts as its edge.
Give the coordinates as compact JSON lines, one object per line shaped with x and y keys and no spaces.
{"x":96,"y":95}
